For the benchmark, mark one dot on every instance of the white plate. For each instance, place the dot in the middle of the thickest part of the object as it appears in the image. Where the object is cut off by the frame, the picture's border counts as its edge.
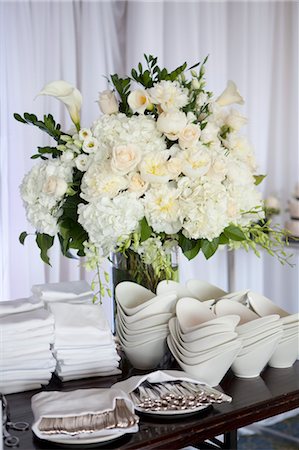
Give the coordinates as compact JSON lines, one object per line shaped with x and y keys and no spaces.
{"x":172,"y":413}
{"x":84,"y":440}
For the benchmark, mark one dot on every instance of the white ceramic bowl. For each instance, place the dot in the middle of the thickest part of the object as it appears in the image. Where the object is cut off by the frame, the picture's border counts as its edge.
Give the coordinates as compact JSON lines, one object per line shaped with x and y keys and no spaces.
{"x":219,"y":325}
{"x":133,"y":340}
{"x":207,"y":354}
{"x":257,"y":337}
{"x":147,"y":355}
{"x":196,"y":347}
{"x":286,"y":353}
{"x":247,"y":348}
{"x":238,"y":296}
{"x":263,"y":306}
{"x":255,"y":325}
{"x":252,"y":363}
{"x":212,"y":370}
{"x":204,"y":291}
{"x":166,"y":286}
{"x":225,"y":307}
{"x":260,"y":332}
{"x":291,"y":319}
{"x":191,"y":313}
{"x":146,"y":324}
{"x":160,"y":305}
{"x":132,"y":296}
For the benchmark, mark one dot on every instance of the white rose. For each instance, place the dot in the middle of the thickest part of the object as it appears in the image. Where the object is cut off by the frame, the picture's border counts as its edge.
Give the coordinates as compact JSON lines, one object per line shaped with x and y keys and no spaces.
{"x":68,"y":95}
{"x":82,"y":162}
{"x":90,"y":145}
{"x":189,"y":136}
{"x":139,"y":101}
{"x":107,"y":102}
{"x":210,"y":133}
{"x":137,"y":184}
{"x":230,"y":95}
{"x":124,"y":158}
{"x":172,"y":123}
{"x":54,"y":186}
{"x":272,"y":202}
{"x":153,"y":167}
{"x":196,"y":162}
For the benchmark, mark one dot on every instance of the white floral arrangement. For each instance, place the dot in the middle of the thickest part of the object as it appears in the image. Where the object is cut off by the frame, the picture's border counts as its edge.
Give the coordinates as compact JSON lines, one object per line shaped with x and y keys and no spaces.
{"x":164,"y":164}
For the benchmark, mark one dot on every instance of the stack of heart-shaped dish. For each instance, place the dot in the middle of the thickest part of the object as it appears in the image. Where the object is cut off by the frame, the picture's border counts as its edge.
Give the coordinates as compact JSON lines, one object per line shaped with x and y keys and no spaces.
{"x":142,"y":323}
{"x":260,"y":337}
{"x":203,"y":345}
{"x":288,"y":347}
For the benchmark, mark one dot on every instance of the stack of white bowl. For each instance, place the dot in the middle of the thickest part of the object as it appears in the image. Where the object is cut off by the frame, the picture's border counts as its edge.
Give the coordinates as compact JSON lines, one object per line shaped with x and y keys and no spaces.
{"x":203,"y":345}
{"x":142,"y":323}
{"x":260,"y":337}
{"x":288,"y":347}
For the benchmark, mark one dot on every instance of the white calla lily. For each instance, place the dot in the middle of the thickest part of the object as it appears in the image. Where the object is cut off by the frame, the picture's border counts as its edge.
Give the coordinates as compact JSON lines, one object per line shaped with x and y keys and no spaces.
{"x":67,"y":94}
{"x":230,"y":95}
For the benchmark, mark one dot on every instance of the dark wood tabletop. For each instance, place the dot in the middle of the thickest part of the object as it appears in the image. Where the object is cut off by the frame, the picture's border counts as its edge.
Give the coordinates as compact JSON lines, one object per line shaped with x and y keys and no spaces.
{"x":274,"y":392}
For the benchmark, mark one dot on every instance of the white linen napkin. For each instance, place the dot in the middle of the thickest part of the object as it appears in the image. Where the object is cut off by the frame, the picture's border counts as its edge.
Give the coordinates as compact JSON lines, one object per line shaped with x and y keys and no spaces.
{"x":65,"y":290}
{"x":80,"y":324}
{"x":155,"y":377}
{"x":28,"y":364}
{"x":12,"y":344}
{"x":86,"y":367}
{"x":89,"y":352}
{"x":19,"y":305}
{"x":6,"y":376}
{"x":76,"y":376}
{"x":10,"y":335}
{"x":81,"y":358}
{"x":26,"y":320}
{"x":39,"y":351}
{"x":14,"y":387}
{"x":79,"y":402}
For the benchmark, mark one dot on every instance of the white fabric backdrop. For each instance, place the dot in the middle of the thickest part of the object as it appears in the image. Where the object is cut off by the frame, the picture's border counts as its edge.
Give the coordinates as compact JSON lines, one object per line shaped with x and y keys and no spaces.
{"x":253,"y":43}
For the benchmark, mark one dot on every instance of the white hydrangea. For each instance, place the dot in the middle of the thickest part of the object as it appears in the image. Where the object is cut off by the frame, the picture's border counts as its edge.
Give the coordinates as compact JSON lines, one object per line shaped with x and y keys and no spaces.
{"x":203,"y":208}
{"x":109,"y":221}
{"x":169,"y":95}
{"x":162,"y":209}
{"x":118,"y":129}
{"x":42,"y":191}
{"x":99,"y":181}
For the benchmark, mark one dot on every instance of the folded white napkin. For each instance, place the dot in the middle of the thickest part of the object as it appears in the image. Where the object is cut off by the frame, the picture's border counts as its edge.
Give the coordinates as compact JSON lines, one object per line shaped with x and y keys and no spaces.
{"x":28,"y":364}
{"x":86,"y":367}
{"x":12,"y":345}
{"x":66,"y":290}
{"x":80,"y":325}
{"x":26,"y":320}
{"x":32,"y":375}
{"x":12,"y":388}
{"x":155,"y":377}
{"x":81,"y":358}
{"x":19,"y":305}
{"x":39,"y":351}
{"x":10,"y":335}
{"x":77,"y":376}
{"x":79,"y":402}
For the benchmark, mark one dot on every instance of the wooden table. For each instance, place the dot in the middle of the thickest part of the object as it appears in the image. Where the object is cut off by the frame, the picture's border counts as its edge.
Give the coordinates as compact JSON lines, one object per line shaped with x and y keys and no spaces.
{"x":275,"y":391}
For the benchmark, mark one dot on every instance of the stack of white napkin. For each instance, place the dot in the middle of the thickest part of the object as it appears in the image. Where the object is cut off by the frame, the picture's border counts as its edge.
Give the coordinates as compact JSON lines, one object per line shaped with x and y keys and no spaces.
{"x":65,"y":291}
{"x":84,"y":345}
{"x":26,"y":332}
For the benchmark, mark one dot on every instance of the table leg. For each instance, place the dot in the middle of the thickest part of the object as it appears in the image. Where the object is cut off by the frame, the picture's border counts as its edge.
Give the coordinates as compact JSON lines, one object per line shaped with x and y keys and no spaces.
{"x":230,"y":440}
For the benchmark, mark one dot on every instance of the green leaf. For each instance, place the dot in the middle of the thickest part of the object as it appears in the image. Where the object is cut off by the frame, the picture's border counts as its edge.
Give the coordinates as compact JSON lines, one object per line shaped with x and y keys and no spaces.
{"x":223,"y":239}
{"x":19,"y":118}
{"x":145,"y":230}
{"x":22,"y":237}
{"x":190,"y":247}
{"x":209,"y":247}
{"x":259,"y":179}
{"x":234,"y":233}
{"x":44,"y":242}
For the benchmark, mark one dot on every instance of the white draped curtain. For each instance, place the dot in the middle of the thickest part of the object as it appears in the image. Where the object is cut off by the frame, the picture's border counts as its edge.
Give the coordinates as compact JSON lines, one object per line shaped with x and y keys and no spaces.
{"x":253,"y":43}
